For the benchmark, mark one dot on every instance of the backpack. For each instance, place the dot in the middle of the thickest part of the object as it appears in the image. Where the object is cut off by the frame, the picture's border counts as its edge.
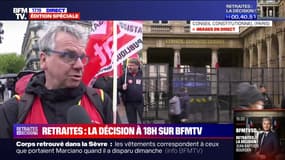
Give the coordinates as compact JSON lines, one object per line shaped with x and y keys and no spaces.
{"x":175,"y":106}
{"x":96,"y":96}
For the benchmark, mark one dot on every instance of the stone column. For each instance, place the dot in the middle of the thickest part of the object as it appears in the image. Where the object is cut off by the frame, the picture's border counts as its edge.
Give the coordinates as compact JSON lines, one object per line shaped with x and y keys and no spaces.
{"x":213,"y":72}
{"x":281,"y":47}
{"x":144,"y":56}
{"x":259,"y":52}
{"x":214,"y":57}
{"x":176,"y":57}
{"x":268,"y":46}
{"x":250,"y":56}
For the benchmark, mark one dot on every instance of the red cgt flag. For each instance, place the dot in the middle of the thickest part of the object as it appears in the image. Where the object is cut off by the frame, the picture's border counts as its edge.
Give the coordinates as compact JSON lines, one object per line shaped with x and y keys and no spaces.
{"x":99,"y":47}
{"x":98,"y":50}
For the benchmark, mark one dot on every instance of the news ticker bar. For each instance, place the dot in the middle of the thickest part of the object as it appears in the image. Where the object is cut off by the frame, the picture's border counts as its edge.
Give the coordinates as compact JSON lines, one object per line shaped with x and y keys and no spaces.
{"x":158,"y":149}
{"x":135,"y":10}
{"x":124,"y":131}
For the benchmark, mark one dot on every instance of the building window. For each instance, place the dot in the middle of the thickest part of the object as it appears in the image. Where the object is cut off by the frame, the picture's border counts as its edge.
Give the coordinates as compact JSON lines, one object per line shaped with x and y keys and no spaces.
{"x":160,"y":22}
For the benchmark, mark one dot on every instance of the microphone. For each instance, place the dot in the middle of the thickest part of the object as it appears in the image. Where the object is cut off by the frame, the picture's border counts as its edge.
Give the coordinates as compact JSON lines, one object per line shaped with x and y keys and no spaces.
{"x":77,"y":114}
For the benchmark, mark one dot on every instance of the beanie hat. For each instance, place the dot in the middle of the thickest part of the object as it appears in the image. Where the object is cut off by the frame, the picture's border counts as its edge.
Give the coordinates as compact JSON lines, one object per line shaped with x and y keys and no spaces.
{"x":135,"y":61}
{"x":248,"y":94}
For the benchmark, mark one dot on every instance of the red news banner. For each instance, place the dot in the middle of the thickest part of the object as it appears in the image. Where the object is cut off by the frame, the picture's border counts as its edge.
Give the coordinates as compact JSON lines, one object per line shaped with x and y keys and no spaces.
{"x":22,"y":131}
{"x":45,"y":14}
{"x":55,"y":16}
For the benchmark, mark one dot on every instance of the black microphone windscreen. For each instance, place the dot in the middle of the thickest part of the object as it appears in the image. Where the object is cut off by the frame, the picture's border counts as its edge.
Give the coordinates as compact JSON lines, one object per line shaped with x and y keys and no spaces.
{"x":77,"y":114}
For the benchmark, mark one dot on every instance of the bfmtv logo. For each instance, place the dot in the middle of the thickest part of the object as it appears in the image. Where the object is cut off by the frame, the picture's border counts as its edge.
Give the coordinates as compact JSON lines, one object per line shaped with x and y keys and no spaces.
{"x":20,"y":13}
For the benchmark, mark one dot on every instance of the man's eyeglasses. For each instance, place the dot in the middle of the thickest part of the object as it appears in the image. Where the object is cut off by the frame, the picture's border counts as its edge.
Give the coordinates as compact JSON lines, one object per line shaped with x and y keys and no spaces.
{"x":70,"y":57}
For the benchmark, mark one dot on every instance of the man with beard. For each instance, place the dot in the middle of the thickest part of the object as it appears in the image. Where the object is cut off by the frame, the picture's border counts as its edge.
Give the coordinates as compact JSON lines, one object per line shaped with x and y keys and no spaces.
{"x":132,"y":93}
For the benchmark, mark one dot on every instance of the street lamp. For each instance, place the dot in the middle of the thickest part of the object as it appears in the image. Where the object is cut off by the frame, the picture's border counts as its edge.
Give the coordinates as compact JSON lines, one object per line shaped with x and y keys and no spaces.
{"x":1,"y":31}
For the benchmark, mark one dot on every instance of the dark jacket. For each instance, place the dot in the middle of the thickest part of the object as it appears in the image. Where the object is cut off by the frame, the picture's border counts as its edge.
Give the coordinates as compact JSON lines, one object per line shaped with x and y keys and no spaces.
{"x":55,"y":104}
{"x":134,"y":92}
{"x":269,"y":146}
{"x":267,"y":101}
{"x":107,"y":85}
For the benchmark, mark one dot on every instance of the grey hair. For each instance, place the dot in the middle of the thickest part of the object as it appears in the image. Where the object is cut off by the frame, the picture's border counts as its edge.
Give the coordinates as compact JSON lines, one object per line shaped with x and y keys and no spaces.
{"x":48,"y":40}
{"x":266,"y":119}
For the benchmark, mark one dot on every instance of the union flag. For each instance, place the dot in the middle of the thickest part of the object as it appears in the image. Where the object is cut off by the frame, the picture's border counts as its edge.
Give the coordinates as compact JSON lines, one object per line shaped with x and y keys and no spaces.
{"x":99,"y":47}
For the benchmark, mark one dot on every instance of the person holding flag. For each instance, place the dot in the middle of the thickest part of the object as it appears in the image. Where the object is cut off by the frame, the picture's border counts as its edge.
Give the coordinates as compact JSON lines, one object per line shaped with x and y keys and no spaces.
{"x":132,"y":91}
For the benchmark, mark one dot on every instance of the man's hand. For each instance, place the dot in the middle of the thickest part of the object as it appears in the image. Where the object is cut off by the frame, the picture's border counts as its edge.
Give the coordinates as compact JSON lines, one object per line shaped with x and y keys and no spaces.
{"x":125,"y":86}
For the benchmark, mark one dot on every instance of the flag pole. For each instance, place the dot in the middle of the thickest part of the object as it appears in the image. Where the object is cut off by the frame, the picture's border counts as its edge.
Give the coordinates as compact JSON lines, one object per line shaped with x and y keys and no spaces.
{"x":115,"y":71}
{"x":126,"y":71}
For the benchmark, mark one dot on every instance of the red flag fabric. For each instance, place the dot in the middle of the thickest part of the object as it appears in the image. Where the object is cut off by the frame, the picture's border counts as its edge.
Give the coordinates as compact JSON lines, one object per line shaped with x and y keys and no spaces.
{"x":99,"y":47}
{"x":102,"y":31}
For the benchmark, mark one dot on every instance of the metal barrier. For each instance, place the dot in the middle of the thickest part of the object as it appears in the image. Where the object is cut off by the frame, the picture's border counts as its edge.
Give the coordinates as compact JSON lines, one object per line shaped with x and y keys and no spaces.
{"x":156,"y":92}
{"x":212,"y":92}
